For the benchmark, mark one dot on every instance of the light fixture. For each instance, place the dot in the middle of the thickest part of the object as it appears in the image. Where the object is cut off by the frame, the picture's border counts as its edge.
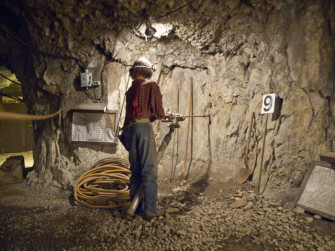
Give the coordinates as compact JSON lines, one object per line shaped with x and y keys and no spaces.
{"x":149,"y":31}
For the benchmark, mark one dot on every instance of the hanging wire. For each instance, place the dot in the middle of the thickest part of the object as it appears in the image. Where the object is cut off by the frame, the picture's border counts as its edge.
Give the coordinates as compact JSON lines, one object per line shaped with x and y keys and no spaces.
{"x":136,"y":29}
{"x":11,"y":96}
{"x":9,"y":79}
{"x":171,"y":12}
{"x":46,"y":53}
{"x":124,"y":98}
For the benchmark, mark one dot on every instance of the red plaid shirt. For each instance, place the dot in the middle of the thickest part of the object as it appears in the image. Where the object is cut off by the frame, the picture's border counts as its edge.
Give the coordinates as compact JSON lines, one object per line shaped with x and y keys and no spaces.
{"x":149,"y":99}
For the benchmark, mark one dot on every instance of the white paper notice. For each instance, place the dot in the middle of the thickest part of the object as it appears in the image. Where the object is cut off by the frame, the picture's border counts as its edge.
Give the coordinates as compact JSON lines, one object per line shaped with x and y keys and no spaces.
{"x":92,"y":127}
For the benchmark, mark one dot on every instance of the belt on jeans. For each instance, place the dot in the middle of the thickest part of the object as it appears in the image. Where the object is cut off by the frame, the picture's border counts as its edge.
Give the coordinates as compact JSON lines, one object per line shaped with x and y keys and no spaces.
{"x":136,"y":121}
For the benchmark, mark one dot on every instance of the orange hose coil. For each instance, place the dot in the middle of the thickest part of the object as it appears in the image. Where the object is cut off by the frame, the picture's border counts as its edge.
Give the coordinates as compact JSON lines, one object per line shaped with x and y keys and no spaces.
{"x":105,"y":185}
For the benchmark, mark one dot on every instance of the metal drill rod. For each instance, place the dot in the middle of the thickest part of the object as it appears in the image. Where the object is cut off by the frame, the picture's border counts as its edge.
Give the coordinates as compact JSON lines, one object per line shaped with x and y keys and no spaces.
{"x":196,"y":116}
{"x":171,"y":116}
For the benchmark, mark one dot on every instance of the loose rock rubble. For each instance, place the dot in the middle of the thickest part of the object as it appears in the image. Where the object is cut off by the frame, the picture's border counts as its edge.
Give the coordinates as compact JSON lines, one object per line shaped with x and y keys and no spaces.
{"x":194,"y":219}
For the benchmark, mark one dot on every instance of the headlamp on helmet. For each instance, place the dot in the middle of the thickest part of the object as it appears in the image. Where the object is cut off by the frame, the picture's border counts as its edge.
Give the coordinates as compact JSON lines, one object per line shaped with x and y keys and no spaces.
{"x":144,"y":63}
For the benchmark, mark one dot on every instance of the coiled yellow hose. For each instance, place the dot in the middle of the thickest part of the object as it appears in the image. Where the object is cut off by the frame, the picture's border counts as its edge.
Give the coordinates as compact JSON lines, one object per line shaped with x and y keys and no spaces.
{"x":106,"y":185}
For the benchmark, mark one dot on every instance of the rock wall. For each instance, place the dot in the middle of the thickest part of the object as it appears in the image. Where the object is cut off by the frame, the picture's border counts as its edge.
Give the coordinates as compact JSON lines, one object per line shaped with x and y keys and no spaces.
{"x":234,"y":51}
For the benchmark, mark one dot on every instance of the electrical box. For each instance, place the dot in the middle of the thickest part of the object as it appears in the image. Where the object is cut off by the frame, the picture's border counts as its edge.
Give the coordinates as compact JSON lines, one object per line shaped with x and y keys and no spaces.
{"x":86,"y":80}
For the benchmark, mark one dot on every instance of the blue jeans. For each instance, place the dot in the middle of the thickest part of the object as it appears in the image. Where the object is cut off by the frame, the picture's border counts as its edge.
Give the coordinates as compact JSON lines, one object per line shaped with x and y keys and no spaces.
{"x":140,"y":139}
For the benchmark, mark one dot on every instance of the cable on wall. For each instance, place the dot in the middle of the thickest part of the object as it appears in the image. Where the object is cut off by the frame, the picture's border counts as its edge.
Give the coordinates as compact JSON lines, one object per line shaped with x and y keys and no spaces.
{"x":9,"y":79}
{"x":171,"y":12}
{"x":46,"y":53}
{"x":2,"y":93}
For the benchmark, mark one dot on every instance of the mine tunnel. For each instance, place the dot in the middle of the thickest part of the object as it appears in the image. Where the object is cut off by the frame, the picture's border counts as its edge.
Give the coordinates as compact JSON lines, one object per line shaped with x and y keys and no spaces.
{"x":247,"y":156}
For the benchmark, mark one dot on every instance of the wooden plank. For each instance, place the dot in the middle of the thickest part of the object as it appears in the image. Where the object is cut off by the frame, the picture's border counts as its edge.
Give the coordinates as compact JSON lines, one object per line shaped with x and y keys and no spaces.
{"x":99,"y":107}
{"x":328,"y":157}
{"x":318,"y":191}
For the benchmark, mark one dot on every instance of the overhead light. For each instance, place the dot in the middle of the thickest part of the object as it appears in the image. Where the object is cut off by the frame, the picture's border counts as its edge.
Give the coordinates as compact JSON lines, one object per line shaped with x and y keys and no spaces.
{"x":149,"y":31}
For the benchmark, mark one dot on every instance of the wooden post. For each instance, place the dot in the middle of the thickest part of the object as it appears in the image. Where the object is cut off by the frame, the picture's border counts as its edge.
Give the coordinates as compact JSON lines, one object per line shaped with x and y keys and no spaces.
{"x":262,"y":155}
{"x":175,"y":138}
{"x":188,"y":127}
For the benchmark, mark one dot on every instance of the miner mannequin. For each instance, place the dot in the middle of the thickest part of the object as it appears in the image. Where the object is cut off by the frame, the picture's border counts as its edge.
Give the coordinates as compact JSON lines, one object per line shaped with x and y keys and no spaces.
{"x":143,"y":106}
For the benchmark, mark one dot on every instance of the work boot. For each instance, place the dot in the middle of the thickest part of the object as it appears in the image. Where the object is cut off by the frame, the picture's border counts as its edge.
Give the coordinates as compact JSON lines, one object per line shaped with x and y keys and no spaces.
{"x":149,"y":216}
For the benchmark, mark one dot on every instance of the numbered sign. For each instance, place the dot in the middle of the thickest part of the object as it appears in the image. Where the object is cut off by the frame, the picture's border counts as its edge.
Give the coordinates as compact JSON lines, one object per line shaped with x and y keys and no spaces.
{"x":268,"y":103}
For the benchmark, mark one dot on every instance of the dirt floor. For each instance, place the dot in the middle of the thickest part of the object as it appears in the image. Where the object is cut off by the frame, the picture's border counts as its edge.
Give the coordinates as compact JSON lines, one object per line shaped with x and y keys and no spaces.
{"x":197,"y":216}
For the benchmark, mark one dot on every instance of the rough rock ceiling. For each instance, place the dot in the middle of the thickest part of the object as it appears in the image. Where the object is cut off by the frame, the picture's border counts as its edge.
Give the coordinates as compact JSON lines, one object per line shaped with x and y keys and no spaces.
{"x":84,"y":22}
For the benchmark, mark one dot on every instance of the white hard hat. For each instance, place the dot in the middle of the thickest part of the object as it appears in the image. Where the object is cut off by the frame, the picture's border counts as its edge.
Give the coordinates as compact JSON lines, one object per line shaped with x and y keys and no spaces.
{"x":144,"y":63}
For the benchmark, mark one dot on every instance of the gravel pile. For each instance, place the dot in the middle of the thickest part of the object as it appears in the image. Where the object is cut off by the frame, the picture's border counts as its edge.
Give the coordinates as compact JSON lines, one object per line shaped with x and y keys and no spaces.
{"x":193,"y":220}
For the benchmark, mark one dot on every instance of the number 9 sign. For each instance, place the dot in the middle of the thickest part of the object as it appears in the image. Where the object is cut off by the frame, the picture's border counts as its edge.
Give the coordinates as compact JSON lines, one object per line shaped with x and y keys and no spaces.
{"x":268,"y":103}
